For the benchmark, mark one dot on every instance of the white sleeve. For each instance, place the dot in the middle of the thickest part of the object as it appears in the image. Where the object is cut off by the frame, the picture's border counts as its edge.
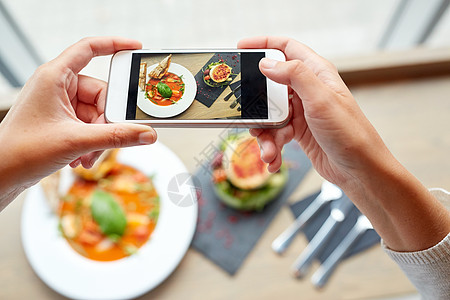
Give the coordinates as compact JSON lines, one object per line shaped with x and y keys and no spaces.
{"x":428,"y":270}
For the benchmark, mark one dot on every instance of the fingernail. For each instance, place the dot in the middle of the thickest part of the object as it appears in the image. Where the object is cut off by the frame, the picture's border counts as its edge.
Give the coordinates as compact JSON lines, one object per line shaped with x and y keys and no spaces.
{"x":76,"y":163}
{"x":268,"y":63}
{"x":147,"y":137}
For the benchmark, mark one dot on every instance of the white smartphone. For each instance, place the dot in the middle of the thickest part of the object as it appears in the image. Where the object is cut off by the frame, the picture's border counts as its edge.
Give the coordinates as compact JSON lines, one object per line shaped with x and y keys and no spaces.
{"x":195,"y":88}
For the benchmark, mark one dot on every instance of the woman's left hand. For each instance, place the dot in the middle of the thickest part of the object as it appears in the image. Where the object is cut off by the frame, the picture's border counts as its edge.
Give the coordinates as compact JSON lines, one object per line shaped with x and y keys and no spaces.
{"x":58,"y":119}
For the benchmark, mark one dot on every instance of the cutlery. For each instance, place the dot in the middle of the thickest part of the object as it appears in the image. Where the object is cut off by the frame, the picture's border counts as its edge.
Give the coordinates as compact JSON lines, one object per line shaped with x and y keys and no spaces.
{"x":227,"y":97}
{"x":328,"y":192}
{"x":339,"y":209}
{"x":320,"y":277}
{"x":233,"y":105}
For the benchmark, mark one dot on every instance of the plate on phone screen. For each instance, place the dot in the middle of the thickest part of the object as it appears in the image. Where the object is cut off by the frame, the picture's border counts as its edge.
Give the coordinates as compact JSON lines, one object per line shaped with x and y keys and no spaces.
{"x":158,"y":111}
{"x":77,"y":277}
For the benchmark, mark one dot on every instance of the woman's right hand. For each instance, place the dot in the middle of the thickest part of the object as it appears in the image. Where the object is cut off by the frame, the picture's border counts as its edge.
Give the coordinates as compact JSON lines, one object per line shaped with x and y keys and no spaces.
{"x":345,"y":149}
{"x":325,"y":119}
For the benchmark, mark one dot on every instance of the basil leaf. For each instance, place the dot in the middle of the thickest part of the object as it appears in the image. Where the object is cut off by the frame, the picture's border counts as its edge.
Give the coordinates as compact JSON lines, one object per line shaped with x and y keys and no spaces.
{"x":108,"y":214}
{"x":164,"y":90}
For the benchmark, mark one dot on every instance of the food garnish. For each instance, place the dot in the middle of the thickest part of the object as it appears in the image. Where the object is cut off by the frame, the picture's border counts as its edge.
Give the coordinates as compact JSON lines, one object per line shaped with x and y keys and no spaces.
{"x":164,"y":90}
{"x":107,"y":213}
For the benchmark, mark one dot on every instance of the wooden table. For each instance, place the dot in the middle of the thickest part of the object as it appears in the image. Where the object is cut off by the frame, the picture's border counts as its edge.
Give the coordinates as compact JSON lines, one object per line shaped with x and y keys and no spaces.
{"x":413,"y":119}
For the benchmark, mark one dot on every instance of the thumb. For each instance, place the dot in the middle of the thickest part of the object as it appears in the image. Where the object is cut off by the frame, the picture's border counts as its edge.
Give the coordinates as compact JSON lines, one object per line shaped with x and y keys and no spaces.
{"x":297,"y":75}
{"x":94,"y":137}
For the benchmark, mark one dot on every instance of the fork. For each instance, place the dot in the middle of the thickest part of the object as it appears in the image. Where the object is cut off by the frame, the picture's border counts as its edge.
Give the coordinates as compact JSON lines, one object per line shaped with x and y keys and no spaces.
{"x":323,"y":273}
{"x":227,"y":97}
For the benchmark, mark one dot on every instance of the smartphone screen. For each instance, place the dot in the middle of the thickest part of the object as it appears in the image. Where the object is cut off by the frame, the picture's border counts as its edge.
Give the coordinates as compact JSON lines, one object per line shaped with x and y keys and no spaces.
{"x":197,"y":86}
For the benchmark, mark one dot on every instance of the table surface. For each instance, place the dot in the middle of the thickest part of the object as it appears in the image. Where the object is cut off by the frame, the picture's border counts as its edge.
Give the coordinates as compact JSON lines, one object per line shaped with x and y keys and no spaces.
{"x":412,"y":118}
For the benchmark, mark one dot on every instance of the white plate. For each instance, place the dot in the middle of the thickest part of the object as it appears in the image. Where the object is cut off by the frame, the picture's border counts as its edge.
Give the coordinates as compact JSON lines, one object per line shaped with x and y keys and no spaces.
{"x":190,"y":90}
{"x":75,"y":276}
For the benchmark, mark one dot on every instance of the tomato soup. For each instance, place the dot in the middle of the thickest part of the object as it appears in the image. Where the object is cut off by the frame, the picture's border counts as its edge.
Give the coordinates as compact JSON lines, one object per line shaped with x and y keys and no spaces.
{"x":136,"y":198}
{"x":173,"y":82}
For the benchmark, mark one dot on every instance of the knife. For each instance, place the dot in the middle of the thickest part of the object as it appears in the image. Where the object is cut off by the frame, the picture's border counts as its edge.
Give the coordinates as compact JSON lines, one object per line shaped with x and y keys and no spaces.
{"x":328,"y":192}
{"x":339,"y":209}
{"x":323,"y":273}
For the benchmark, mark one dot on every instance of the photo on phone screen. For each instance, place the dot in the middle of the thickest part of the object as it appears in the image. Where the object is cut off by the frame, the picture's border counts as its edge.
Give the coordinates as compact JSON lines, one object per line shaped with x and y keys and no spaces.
{"x":197,"y":86}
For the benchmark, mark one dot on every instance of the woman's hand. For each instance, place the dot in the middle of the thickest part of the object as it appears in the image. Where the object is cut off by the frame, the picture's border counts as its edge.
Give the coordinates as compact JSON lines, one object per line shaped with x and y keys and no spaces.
{"x":345,"y":148}
{"x":58,"y":119}
{"x":325,"y":119}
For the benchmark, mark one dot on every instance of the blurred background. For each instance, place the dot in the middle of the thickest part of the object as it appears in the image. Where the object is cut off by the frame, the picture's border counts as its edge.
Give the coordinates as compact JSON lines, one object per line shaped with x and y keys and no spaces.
{"x":381,"y":48}
{"x":36,"y":31}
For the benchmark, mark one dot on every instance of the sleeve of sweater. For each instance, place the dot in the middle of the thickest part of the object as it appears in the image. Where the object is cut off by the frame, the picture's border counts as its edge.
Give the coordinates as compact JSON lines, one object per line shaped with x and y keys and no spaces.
{"x":428,"y":270}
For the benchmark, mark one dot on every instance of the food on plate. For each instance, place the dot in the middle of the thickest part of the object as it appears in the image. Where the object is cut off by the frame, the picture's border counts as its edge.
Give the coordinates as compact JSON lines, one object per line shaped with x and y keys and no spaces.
{"x":102,"y":166}
{"x":165,"y":91}
{"x":164,"y":88}
{"x":220,"y":73}
{"x":161,"y":69}
{"x":240,"y":177}
{"x":110,"y":211}
{"x":217,"y":74}
{"x":243,"y":166}
{"x":143,"y":75}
